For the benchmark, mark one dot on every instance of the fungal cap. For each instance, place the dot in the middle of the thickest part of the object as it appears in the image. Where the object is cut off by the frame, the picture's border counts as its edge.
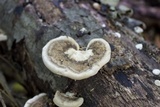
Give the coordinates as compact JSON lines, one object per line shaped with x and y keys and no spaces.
{"x":67,"y":100}
{"x":118,"y":35}
{"x":157,"y":82}
{"x":63,"y":57}
{"x":103,"y":25}
{"x":138,"y":29}
{"x":156,"y":71}
{"x":139,"y":46}
{"x":31,"y":102}
{"x":3,"y":37}
{"x":110,"y":2}
{"x":96,"y":6}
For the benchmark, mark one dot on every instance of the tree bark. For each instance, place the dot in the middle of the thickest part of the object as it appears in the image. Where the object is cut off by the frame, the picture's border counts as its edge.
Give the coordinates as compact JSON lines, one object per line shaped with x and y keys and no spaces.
{"x":127,"y":80}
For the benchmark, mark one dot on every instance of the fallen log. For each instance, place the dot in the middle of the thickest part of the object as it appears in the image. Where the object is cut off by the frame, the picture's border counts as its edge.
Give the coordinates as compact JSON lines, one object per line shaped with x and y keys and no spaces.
{"x":127,"y":80}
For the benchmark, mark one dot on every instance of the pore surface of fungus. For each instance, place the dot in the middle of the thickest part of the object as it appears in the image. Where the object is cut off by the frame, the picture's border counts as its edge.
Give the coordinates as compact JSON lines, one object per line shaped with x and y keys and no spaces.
{"x":63,"y":56}
{"x":67,"y":100}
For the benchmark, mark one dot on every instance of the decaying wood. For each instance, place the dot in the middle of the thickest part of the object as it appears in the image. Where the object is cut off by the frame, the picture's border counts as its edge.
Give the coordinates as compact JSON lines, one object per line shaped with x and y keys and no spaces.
{"x":127,"y":80}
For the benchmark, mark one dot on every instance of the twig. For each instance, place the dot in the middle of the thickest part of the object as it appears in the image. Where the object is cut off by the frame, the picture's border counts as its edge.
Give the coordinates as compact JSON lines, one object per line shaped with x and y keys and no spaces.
{"x":2,"y":101}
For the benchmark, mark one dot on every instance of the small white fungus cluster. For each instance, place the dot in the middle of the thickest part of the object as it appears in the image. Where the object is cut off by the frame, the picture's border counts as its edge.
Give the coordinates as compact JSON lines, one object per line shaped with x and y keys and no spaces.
{"x":83,"y":30}
{"x":103,"y":25}
{"x":139,"y":46}
{"x":138,"y":29}
{"x":156,"y":72}
{"x":118,"y":35}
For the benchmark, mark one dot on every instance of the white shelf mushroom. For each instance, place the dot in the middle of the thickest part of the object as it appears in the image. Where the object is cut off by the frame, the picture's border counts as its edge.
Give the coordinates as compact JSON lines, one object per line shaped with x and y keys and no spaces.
{"x":63,"y":56}
{"x":36,"y":101}
{"x":67,"y":100}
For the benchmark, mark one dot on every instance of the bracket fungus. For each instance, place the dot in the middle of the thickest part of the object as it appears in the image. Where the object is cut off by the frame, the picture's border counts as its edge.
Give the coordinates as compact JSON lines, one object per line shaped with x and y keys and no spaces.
{"x":64,"y":57}
{"x":67,"y":100}
{"x":36,"y":101}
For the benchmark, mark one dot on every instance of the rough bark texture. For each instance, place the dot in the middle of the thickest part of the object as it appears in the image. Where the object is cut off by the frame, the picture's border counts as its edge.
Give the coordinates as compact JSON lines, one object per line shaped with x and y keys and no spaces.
{"x":127,"y":80}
